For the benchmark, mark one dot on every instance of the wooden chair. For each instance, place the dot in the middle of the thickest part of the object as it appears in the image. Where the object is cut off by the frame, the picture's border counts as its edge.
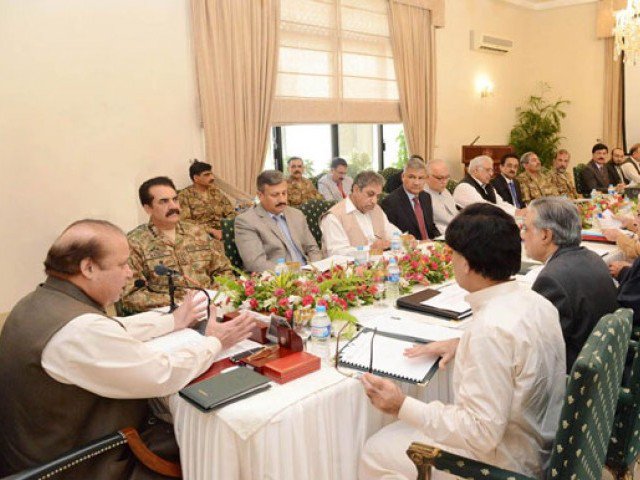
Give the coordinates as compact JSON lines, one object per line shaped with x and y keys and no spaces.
{"x":586,"y":420}
{"x":126,"y":436}
{"x":624,"y":446}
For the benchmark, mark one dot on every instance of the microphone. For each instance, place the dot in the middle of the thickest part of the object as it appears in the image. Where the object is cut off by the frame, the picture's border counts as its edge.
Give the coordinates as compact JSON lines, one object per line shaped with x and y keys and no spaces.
{"x":163,"y":270}
{"x":474,"y":141}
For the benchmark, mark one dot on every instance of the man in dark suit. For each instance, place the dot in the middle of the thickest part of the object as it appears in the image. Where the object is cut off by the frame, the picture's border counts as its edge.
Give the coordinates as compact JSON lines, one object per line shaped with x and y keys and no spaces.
{"x":614,"y":167}
{"x":408,"y":207}
{"x":595,"y":175}
{"x":574,"y":279}
{"x":506,"y":184}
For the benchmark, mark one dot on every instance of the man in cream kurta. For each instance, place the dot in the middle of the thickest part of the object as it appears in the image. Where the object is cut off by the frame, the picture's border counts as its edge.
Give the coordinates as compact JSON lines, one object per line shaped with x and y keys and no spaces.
{"x":358,"y":220}
{"x":509,"y":374}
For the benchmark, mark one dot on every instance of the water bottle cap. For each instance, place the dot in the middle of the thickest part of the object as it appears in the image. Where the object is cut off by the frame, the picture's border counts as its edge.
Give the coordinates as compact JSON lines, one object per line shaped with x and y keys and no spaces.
{"x":360,"y":248}
{"x":321,"y":308}
{"x":280,"y":260}
{"x":392,"y":261}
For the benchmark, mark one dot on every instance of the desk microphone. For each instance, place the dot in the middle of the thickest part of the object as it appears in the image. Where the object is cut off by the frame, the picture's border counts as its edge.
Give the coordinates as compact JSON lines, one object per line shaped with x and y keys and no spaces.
{"x":474,"y":141}
{"x":163,"y":270}
{"x":140,"y":283}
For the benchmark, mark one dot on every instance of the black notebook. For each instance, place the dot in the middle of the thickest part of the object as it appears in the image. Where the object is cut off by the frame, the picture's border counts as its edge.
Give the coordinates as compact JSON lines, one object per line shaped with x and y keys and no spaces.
{"x":225,"y":388}
{"x":388,"y":357}
{"x":454,"y":310}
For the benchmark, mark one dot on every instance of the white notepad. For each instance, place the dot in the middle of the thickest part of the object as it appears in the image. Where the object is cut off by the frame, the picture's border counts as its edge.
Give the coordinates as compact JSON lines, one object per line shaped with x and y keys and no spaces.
{"x":450,"y":298}
{"x":388,"y":358}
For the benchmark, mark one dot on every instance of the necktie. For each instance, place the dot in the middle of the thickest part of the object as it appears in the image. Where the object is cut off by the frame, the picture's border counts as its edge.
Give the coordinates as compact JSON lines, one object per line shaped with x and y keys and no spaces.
{"x":417,"y":209}
{"x":284,"y":228}
{"x":514,"y":195}
{"x":340,"y":189}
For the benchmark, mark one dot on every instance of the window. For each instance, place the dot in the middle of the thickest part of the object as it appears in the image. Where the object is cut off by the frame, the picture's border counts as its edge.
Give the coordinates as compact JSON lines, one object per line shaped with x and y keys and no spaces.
{"x":363,"y":146}
{"x":335,"y":63}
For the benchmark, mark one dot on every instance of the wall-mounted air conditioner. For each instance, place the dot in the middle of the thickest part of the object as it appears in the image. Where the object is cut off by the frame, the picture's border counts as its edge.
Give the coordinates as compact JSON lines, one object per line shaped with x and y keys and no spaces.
{"x":490,"y":43}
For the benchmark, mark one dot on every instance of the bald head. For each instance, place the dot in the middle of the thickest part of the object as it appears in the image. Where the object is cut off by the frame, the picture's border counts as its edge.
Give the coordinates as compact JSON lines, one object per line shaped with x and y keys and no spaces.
{"x":82,"y":239}
{"x":437,"y":175}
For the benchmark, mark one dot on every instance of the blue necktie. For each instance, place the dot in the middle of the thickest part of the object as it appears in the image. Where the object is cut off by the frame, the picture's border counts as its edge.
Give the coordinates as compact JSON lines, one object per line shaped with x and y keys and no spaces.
{"x":512,"y":188}
{"x":284,"y":228}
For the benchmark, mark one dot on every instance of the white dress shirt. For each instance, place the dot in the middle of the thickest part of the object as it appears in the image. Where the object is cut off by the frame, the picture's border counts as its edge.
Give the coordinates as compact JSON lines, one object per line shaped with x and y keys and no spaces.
{"x":631,"y":173}
{"x":95,"y":353}
{"x":508,"y":382}
{"x":465,"y":195}
{"x":335,"y":238}
{"x":444,"y":208}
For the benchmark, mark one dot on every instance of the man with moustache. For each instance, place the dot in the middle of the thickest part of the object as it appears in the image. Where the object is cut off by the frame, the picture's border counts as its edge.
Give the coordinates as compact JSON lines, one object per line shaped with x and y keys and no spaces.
{"x":534,"y":183}
{"x":204,"y":203}
{"x":166,"y":240}
{"x":631,"y":167}
{"x":558,"y":176}
{"x":336,"y":185}
{"x":506,"y":184}
{"x":408,"y":207}
{"x":358,"y":220}
{"x":272,"y":230}
{"x":614,"y":167}
{"x":300,"y":189}
{"x":595,"y":175}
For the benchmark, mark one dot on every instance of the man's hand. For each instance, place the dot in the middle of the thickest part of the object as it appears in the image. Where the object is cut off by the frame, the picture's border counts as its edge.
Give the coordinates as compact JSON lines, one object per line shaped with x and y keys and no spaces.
{"x":612,"y":234}
{"x":380,"y":244}
{"x":232,"y":332}
{"x":629,"y":222}
{"x":620,"y":187}
{"x":615,"y":267}
{"x":217,"y":234}
{"x":190,"y":311}
{"x":384,"y":394}
{"x":445,"y":349}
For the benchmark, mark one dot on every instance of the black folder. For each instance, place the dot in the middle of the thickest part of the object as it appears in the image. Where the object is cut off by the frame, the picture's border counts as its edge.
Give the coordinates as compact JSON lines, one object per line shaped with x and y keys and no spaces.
{"x":414,"y":302}
{"x":225,"y":388}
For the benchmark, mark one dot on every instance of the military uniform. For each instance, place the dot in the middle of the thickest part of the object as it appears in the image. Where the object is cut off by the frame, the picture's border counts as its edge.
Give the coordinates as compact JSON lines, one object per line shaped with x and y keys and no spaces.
{"x":206,"y":209}
{"x":536,"y":187}
{"x":193,"y":255}
{"x":300,"y":191}
{"x":563,"y":184}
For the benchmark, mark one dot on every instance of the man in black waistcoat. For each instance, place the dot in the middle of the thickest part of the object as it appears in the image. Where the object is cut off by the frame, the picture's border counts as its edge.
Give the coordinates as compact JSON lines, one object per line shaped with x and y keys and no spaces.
{"x":70,"y":374}
{"x":476,"y":187}
{"x":506,"y":184}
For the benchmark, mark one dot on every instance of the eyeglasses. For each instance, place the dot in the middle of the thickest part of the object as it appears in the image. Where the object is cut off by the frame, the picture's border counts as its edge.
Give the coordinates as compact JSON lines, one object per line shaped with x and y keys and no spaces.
{"x":337,"y":364}
{"x":441,"y":179}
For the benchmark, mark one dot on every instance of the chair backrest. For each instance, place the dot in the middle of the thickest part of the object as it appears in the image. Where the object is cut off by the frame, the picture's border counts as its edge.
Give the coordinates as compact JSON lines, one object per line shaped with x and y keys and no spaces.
{"x":586,"y":419}
{"x":577,"y":178}
{"x":229,"y":239}
{"x":451,"y":185}
{"x":624,"y":446}
{"x":392,"y":178}
{"x":313,"y":210}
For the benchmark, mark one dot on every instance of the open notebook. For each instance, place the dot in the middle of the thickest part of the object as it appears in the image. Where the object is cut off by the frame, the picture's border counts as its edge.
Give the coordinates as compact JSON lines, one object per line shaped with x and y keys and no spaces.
{"x":388,"y":358}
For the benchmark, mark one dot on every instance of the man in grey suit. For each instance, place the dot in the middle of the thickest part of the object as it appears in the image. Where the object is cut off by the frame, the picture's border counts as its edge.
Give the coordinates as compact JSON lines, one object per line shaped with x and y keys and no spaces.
{"x":336,"y":185}
{"x":273,"y":230}
{"x":574,"y":279}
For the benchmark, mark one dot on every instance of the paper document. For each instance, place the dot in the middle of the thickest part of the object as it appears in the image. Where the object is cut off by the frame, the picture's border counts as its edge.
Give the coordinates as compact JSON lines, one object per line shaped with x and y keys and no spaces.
{"x":327,"y":263}
{"x":597,"y":248}
{"x":451,"y":298}
{"x":175,"y":340}
{"x":388,"y":357}
{"x":395,"y":324}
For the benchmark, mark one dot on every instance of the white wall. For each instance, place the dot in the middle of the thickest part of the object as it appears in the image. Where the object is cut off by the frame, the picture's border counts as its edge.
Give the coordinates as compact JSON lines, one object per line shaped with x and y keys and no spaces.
{"x":557,"y":46}
{"x":96,"y":96}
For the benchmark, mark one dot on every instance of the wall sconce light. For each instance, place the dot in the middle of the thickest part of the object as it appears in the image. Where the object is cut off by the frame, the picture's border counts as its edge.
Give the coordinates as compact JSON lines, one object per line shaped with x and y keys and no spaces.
{"x":484,"y":87}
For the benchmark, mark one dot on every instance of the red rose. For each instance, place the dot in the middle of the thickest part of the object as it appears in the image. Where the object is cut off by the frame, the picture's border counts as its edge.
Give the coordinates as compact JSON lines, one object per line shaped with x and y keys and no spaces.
{"x":283,"y":302}
{"x":307,"y":300}
{"x":253,"y":303}
{"x":249,"y":290}
{"x":279,"y":292}
{"x":288,"y":314}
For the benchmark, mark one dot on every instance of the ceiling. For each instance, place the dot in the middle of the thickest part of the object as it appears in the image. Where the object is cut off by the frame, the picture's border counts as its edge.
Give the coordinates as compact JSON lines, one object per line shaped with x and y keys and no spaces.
{"x":547,"y":4}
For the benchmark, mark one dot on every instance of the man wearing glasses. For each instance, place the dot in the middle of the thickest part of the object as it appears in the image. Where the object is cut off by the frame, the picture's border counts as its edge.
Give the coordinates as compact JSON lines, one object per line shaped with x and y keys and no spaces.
{"x":444,"y":206}
{"x":475,"y":187}
{"x":509,"y":373}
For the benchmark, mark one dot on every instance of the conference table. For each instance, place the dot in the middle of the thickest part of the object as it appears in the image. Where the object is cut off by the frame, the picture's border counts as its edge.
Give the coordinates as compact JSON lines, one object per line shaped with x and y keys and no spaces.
{"x":313,"y":427}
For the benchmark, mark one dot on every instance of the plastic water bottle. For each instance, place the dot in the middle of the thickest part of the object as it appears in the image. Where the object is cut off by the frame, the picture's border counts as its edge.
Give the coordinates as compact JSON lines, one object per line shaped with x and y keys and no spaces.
{"x":281,"y":267}
{"x":611,"y":190}
{"x":321,"y":334}
{"x":594,"y":193}
{"x":396,"y":244}
{"x":392,"y":287}
{"x":379,"y":280}
{"x":360,"y":256}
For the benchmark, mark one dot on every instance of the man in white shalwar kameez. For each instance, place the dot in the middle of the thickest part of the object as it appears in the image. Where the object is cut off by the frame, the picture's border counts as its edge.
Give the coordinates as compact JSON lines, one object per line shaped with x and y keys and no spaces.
{"x":509,"y":372}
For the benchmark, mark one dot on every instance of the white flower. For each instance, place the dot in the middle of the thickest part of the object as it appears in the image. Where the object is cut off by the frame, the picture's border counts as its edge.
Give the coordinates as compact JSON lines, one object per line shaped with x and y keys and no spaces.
{"x":294,"y":299}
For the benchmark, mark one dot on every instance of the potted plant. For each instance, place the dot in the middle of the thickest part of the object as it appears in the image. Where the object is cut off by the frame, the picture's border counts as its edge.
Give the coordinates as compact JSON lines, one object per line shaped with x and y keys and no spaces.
{"x":538,"y":126}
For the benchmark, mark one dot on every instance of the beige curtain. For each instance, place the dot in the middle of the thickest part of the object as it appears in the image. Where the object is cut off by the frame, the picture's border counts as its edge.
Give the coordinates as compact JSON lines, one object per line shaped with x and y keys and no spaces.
{"x":236,"y":57}
{"x":613,"y":97}
{"x":413,"y":42}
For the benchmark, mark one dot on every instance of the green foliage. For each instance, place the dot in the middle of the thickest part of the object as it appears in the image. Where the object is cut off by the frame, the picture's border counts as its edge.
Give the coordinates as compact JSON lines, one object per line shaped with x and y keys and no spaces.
{"x":358,"y":161}
{"x":538,"y":126}
{"x":403,"y":153}
{"x":309,"y":171}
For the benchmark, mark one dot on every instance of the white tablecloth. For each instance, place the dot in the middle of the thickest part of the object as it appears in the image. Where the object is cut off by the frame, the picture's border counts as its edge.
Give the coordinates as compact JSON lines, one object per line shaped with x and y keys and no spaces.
{"x":311,"y":428}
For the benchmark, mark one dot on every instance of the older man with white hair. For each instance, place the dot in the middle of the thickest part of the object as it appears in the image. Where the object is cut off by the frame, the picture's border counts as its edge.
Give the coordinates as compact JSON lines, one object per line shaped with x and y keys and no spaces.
{"x":444,"y":206}
{"x":475,"y":187}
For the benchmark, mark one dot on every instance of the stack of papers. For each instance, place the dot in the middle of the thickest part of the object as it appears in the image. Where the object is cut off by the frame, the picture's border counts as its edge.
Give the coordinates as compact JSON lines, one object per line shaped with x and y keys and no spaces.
{"x":450,"y":298}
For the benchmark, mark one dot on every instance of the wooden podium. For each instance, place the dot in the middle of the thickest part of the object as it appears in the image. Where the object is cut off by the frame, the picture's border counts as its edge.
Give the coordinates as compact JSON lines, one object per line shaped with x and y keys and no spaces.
{"x":496,"y":152}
